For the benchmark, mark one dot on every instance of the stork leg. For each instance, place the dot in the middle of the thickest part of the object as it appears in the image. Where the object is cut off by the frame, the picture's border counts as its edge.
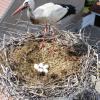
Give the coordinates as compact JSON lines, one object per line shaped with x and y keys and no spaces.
{"x":42,"y":45}
{"x":53,"y":41}
{"x":46,"y":28}
{"x":51,"y":31}
{"x":28,"y":26}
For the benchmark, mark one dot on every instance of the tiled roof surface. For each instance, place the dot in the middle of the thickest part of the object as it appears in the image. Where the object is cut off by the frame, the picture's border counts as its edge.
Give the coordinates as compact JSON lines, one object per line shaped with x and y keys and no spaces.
{"x":4,"y":4}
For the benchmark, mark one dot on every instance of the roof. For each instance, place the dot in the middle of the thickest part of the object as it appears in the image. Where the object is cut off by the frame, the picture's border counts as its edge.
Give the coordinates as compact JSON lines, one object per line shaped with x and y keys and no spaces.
{"x":4,"y":4}
{"x":96,"y":7}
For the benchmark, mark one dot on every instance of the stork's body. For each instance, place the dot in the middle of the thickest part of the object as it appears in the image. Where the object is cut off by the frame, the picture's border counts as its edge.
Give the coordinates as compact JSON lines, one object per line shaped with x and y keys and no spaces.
{"x":47,"y":13}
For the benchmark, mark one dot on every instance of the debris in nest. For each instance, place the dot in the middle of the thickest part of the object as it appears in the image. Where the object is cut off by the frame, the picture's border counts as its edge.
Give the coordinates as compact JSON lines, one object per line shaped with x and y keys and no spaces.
{"x":78,"y":49}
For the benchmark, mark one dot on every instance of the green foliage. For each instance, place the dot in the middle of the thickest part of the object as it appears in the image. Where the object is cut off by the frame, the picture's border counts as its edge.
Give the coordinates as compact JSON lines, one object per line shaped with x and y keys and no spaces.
{"x":85,"y":10}
{"x":89,"y":2}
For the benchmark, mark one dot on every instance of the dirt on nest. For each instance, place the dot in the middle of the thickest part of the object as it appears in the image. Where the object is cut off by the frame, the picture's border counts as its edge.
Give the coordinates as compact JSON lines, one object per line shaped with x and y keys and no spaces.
{"x":23,"y":57}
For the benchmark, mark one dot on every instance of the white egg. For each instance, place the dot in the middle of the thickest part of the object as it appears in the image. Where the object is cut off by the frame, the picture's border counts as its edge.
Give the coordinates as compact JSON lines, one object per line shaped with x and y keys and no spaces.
{"x":46,"y":66}
{"x":36,"y":66}
{"x":45,"y":70}
{"x":41,"y":65}
{"x":40,"y":70}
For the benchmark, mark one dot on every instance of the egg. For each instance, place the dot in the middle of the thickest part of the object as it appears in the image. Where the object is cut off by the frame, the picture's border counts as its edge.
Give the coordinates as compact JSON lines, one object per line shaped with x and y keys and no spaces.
{"x":36,"y":66}
{"x":46,"y":66}
{"x":41,"y":68}
{"x":41,"y":65}
{"x":45,"y":71}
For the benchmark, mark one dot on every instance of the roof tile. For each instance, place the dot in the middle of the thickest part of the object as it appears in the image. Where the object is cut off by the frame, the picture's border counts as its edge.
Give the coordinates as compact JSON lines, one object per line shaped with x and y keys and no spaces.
{"x":4,"y":4}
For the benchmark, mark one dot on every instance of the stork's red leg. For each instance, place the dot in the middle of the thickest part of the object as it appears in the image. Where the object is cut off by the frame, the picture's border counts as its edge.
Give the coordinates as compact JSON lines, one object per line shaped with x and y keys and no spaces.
{"x":53,"y":41}
{"x":46,"y":29}
{"x":51,"y":50}
{"x":44,"y":32}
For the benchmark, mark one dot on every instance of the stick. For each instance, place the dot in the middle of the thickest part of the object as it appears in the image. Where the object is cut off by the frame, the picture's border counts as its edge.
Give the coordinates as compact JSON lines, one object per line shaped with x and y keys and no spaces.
{"x":4,"y":41}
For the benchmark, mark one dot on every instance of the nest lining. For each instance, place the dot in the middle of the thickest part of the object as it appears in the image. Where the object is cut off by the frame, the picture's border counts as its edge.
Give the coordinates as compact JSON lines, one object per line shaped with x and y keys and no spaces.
{"x":60,"y":62}
{"x":65,"y":68}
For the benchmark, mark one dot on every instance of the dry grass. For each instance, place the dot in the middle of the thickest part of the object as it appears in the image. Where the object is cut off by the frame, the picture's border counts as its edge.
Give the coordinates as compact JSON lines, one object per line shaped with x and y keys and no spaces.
{"x":69,"y":71}
{"x":25,"y":56}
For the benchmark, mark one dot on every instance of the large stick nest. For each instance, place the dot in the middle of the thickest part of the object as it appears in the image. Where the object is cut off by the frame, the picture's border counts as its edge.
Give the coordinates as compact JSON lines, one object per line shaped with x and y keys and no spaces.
{"x":62,"y":52}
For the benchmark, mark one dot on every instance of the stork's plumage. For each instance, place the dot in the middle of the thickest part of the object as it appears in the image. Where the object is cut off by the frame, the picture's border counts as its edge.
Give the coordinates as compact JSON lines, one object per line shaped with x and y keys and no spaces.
{"x":47,"y":13}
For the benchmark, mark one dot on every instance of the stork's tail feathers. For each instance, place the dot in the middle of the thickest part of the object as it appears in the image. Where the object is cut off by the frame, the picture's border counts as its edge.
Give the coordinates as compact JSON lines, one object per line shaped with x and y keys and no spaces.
{"x":71,"y":10}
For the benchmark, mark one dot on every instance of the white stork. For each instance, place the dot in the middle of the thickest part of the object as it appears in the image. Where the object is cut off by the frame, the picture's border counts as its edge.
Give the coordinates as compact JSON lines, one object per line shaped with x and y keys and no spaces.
{"x":48,"y":13}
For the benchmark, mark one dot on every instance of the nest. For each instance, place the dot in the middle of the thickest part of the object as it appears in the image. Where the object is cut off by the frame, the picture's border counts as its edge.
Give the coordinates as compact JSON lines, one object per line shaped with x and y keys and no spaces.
{"x":63,"y":53}
{"x":57,"y":57}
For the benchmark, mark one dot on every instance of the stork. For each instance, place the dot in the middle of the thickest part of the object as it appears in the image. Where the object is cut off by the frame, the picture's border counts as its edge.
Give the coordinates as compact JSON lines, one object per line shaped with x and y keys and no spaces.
{"x":48,"y":13}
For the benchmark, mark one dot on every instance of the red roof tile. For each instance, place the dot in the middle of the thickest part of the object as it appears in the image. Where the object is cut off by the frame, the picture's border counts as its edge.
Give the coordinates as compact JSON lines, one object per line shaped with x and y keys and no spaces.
{"x":4,"y":4}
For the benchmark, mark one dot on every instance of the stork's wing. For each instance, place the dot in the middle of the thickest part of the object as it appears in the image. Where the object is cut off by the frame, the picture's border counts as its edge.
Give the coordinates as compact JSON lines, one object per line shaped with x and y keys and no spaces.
{"x":52,"y":12}
{"x":57,"y":12}
{"x":40,"y":11}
